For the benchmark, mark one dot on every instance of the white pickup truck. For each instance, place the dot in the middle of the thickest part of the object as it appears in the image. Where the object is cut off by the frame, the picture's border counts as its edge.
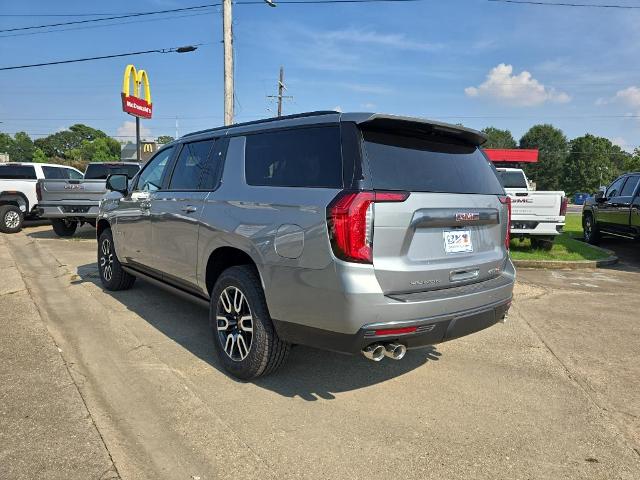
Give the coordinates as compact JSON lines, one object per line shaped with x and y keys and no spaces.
{"x":537,"y":215}
{"x":18,"y":195}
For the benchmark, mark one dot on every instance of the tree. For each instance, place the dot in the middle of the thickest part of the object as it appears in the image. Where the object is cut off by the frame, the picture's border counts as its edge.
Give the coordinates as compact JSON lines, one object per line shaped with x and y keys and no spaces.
{"x":6,"y":143}
{"x":497,"y":138}
{"x":39,"y":156}
{"x":552,"y":145}
{"x":631,"y":162}
{"x":162,"y":139}
{"x":21,"y":150}
{"x":61,"y":143}
{"x":592,"y":162}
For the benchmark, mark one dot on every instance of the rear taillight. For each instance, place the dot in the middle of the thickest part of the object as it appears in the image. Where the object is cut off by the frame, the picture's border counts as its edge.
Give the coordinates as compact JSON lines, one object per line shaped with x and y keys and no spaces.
{"x":39,"y":191}
{"x":350,"y":223}
{"x":563,"y":206}
{"x":506,"y":200}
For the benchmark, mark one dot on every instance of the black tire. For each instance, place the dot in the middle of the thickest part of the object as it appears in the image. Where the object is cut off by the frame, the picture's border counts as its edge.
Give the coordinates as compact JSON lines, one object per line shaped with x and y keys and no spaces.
{"x":265,"y":352}
{"x":590,"y":229}
{"x":112,"y":276}
{"x":64,"y":228}
{"x":543,"y":243}
{"x":11,"y":218}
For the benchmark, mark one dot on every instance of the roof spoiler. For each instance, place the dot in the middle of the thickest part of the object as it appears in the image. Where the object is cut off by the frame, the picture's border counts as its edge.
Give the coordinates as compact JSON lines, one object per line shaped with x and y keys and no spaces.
{"x":413,"y":124}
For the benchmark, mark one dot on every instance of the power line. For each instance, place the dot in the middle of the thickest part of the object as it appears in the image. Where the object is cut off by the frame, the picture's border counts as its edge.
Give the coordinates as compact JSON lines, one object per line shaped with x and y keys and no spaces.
{"x":568,"y":4}
{"x":198,"y":7}
{"x":161,"y":50}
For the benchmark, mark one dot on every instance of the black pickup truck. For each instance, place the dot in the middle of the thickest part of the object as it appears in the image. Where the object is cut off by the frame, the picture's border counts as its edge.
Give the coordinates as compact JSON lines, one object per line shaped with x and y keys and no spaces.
{"x":616,"y":211}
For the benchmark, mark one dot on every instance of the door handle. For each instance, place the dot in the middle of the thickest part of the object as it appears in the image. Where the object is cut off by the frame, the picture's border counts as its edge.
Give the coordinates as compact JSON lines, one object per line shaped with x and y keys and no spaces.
{"x":189,"y":209}
{"x":145,"y":205}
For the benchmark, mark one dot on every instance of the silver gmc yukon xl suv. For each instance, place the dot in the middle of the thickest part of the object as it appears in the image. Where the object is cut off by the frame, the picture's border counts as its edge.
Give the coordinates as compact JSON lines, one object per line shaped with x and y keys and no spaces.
{"x":352,"y":232}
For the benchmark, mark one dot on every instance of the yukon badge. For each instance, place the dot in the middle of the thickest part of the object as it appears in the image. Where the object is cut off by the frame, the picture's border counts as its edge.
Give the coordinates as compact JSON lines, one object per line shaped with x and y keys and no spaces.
{"x":467,"y":216}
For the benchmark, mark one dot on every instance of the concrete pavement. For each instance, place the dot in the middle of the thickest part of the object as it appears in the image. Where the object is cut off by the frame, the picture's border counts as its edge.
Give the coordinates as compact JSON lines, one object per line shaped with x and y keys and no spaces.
{"x":46,"y":431}
{"x":553,"y":393}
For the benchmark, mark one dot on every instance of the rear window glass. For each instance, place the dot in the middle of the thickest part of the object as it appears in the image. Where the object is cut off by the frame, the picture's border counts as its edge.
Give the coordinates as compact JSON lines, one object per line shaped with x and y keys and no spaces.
{"x":512,"y":179}
{"x":61,"y":173}
{"x":302,"y":157}
{"x":17,"y":172}
{"x":400,"y":162}
{"x":97,"y":171}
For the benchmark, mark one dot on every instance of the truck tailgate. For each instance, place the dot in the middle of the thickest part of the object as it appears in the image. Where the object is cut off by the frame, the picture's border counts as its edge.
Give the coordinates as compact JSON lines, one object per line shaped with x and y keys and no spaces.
{"x":538,"y":204}
{"x":71,"y":191}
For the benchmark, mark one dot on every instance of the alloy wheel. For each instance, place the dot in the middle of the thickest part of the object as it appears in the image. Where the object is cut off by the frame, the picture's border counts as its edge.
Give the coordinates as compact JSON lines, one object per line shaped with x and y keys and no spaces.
{"x":12,"y":219}
{"x":234,"y":322}
{"x":587,"y":228}
{"x":106,"y":260}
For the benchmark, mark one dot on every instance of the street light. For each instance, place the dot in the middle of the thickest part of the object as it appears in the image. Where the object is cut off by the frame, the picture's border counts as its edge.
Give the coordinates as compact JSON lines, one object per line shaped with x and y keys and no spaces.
{"x":271,"y":3}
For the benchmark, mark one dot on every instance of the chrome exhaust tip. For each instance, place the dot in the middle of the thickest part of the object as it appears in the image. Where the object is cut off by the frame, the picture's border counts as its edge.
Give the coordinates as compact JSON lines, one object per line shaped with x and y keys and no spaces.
{"x":395,"y":351}
{"x":375,"y":352}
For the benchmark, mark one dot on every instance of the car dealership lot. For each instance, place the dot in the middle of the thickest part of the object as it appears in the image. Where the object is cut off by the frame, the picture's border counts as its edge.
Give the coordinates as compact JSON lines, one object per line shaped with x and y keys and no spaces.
{"x":553,"y":393}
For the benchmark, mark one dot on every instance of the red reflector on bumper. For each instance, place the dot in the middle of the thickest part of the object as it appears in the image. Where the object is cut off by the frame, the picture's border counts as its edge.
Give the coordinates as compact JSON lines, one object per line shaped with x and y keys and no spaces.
{"x":396,"y":331}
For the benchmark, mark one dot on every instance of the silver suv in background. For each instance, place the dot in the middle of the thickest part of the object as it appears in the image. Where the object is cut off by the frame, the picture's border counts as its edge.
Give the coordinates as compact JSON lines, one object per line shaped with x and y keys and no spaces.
{"x":349,"y":232}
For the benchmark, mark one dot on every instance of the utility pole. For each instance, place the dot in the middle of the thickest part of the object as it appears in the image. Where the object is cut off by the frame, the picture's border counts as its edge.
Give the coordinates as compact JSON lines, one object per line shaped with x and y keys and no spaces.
{"x":281,"y":89}
{"x":227,"y":38}
{"x":138,"y":155}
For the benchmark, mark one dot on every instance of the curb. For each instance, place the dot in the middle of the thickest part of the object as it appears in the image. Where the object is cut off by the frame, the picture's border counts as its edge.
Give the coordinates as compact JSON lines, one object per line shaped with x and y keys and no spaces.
{"x":612,"y":259}
{"x":565,"y":264}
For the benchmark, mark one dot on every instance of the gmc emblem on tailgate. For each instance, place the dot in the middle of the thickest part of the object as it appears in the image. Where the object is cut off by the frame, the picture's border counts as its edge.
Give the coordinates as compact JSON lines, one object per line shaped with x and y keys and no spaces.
{"x":74,"y":187}
{"x":467,"y":216}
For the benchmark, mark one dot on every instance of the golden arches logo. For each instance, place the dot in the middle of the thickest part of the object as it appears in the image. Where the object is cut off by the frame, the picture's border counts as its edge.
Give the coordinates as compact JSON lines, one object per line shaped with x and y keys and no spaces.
{"x":147,"y":148}
{"x":133,"y":104}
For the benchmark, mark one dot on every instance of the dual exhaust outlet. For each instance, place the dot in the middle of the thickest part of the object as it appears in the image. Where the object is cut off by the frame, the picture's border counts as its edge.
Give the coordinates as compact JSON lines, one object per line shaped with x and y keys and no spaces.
{"x":377,"y":351}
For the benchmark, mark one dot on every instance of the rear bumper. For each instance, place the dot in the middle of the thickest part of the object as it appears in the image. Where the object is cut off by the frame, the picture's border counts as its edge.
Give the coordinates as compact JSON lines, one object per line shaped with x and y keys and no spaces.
{"x":428,"y":331}
{"x":68,"y":211}
{"x":530,"y":227}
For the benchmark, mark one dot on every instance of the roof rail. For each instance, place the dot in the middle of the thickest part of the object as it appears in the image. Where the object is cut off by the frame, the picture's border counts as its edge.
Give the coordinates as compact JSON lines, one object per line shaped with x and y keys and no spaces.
{"x":264,"y":120}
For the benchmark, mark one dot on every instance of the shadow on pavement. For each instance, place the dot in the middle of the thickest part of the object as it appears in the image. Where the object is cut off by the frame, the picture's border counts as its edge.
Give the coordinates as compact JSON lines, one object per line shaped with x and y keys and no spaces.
{"x":308,"y":373}
{"x":83,"y":233}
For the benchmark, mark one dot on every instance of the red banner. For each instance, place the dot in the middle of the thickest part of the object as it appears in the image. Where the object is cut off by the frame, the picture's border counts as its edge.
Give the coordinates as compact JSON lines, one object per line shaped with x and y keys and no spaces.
{"x":135,"y":106}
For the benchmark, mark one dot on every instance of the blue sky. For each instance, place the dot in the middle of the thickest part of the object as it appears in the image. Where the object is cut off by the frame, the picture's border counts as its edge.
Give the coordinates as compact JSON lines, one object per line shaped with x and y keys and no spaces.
{"x":474,"y":62}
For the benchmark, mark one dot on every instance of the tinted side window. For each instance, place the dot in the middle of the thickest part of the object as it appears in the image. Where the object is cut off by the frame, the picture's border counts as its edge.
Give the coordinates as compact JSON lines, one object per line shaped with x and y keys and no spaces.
{"x":303,"y":157}
{"x":614,"y":189}
{"x":17,"y":172}
{"x":630,"y":186}
{"x":72,"y":174}
{"x":150,"y":178}
{"x":194,"y":166}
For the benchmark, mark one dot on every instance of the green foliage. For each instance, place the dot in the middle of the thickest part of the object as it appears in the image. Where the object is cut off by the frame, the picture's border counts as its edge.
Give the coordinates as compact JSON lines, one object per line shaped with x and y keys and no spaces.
{"x":21,"y":149}
{"x":162,"y":139}
{"x":631,"y":162}
{"x":39,"y":156}
{"x":497,"y":138}
{"x":61,"y":143}
{"x":552,"y":145}
{"x":592,"y":161}
{"x":5,"y":143}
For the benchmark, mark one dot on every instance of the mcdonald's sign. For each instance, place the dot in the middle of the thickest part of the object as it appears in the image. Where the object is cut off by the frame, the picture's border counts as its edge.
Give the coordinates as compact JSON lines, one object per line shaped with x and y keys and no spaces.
{"x":133,"y":104}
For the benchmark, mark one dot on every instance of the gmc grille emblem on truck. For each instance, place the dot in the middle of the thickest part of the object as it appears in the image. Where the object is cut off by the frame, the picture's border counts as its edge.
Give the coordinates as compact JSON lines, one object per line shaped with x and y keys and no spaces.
{"x":467,"y":216}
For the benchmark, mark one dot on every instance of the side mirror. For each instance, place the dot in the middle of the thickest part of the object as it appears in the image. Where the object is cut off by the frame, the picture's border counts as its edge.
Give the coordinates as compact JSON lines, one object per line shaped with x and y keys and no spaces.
{"x":599,"y":197}
{"x":118,"y":182}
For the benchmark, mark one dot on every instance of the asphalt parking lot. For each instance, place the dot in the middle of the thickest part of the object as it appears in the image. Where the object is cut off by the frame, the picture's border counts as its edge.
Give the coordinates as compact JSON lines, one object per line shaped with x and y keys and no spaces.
{"x":127,"y":386}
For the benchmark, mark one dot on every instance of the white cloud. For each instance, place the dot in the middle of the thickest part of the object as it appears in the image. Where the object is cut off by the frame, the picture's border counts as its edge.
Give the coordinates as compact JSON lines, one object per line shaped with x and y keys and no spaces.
{"x":520,"y":90}
{"x":368,"y":106}
{"x":622,"y":143}
{"x":629,"y":96}
{"x":128,"y":130}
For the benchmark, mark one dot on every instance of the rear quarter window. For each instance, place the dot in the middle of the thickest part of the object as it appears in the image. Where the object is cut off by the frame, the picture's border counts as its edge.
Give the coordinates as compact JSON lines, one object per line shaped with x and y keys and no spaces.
{"x":399,"y":162}
{"x":17,"y":172}
{"x":301,"y":157}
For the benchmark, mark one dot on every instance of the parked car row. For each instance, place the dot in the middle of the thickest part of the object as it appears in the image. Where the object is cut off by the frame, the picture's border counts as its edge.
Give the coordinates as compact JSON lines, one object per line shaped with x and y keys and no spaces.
{"x":60,"y":193}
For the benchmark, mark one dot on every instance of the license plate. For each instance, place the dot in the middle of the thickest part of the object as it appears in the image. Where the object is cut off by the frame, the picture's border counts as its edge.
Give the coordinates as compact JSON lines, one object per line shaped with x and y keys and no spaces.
{"x":457,"y":241}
